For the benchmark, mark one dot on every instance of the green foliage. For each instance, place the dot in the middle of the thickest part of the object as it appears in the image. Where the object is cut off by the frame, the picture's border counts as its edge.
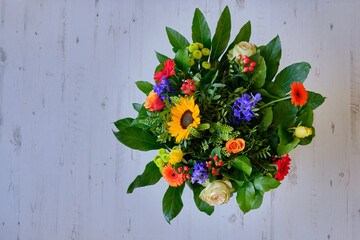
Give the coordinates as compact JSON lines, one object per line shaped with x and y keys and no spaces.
{"x":172,"y":203}
{"x":284,"y":113}
{"x":264,"y":183}
{"x":201,"y":205}
{"x":314,"y":100}
{"x":259,"y":76}
{"x":296,"y":72}
{"x":162,"y":58}
{"x":150,"y":176}
{"x":144,"y":86}
{"x":200,"y":29}
{"x":181,"y":60}
{"x":246,"y":197}
{"x":177,"y":40}
{"x":222,"y":35}
{"x":123,"y":123}
{"x":267,"y":119}
{"x":272,"y":55}
{"x":243,"y":163}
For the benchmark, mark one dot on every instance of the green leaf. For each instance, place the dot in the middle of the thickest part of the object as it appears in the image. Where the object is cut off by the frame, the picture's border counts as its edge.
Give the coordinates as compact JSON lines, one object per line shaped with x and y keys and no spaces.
{"x":172,"y":203}
{"x":144,"y":86}
{"x":122,"y":123}
{"x":143,"y":113}
{"x":272,"y":55}
{"x":314,"y":100}
{"x":243,"y":163}
{"x":200,"y":204}
{"x":259,"y":75}
{"x":275,"y":89}
{"x":162,"y":58}
{"x":137,"y":106}
{"x":306,"y":117}
{"x":200,"y":29}
{"x":284,"y":149}
{"x":296,"y":72}
{"x":243,"y":35}
{"x":265,"y":183}
{"x":181,"y":60}
{"x":265,"y":93}
{"x":267,"y":119}
{"x":138,"y":139}
{"x":246,"y":197}
{"x":308,"y":139}
{"x":284,"y":113}
{"x":150,"y":176}
{"x":158,"y":68}
{"x":259,"y":195}
{"x":284,"y":136}
{"x":222,"y":35}
{"x":177,"y":40}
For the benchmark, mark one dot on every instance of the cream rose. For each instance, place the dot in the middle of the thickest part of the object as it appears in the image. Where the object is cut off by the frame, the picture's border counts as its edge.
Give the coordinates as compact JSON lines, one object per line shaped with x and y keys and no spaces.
{"x":217,"y":192}
{"x":242,"y":48}
{"x":302,"y":132}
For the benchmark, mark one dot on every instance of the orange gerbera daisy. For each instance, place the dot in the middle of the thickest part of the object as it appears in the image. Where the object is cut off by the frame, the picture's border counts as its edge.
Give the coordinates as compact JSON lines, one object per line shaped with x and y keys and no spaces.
{"x":171,"y":176}
{"x":298,"y":94}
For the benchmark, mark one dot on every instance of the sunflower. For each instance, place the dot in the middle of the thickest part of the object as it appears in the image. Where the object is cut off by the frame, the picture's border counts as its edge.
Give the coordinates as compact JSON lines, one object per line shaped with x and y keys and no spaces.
{"x":298,"y":94}
{"x":171,"y":176}
{"x":184,"y":115}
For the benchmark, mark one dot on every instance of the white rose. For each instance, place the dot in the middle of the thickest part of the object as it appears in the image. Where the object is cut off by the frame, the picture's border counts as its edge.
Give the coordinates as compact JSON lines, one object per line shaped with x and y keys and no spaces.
{"x":242,"y":48}
{"x":217,"y":192}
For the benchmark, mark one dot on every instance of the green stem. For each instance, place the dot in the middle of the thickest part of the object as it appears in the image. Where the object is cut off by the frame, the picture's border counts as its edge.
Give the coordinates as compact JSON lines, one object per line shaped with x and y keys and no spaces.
{"x":277,"y":100}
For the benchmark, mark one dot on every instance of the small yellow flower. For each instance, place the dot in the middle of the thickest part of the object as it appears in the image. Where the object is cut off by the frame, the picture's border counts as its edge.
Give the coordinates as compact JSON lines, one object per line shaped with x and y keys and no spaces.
{"x":197,"y":54}
{"x":176,"y":156}
{"x":193,"y":47}
{"x":302,"y":132}
{"x":191,"y":62}
{"x":206,"y":65}
{"x":200,"y":45}
{"x":205,"y":51}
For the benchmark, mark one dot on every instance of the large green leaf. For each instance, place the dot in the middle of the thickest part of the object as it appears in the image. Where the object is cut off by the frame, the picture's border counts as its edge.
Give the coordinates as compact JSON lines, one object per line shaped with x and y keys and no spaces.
{"x":243,"y":35}
{"x":222,"y":35}
{"x":267,"y":119}
{"x":162,"y":58}
{"x":314,"y":100}
{"x":272,"y":55}
{"x":259,"y":76}
{"x":243,"y":163}
{"x":122,"y":123}
{"x":284,"y":136}
{"x":200,"y":204}
{"x":284,"y":149}
{"x":246,"y":197}
{"x":296,"y":72}
{"x":138,"y":139}
{"x":306,"y":117}
{"x":259,"y":195}
{"x":275,"y":89}
{"x":200,"y":29}
{"x":137,"y":106}
{"x":181,"y":60}
{"x":172,"y":203}
{"x":150,"y":176}
{"x":144,"y":86}
{"x":284,"y":112}
{"x":177,"y":40}
{"x":265,"y":183}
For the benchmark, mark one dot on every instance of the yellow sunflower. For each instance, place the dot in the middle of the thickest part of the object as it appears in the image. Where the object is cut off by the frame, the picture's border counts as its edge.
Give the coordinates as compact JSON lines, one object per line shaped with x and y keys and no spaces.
{"x":184,"y":115}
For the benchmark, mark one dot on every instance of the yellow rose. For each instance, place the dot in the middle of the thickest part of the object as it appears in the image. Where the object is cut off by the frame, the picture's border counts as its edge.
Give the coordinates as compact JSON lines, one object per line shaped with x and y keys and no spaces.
{"x":217,"y":192}
{"x":242,"y":48}
{"x":176,"y":156}
{"x":302,"y":132}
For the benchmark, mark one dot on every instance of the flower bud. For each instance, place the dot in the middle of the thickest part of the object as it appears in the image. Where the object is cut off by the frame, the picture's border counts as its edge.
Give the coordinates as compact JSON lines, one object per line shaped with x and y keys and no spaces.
{"x":302,"y":132}
{"x":205,"y":51}
{"x":193,"y":47}
{"x":197,"y":54}
{"x":206,"y":65}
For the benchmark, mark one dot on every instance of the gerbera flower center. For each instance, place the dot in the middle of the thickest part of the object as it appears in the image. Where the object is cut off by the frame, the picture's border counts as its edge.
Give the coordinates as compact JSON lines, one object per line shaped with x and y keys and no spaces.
{"x":186,"y":119}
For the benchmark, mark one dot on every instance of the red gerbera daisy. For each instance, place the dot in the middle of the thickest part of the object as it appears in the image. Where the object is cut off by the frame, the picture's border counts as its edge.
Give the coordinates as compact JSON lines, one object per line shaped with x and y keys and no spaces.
{"x":169,"y":70}
{"x":283,"y":167}
{"x":171,"y":176}
{"x":298,"y":94}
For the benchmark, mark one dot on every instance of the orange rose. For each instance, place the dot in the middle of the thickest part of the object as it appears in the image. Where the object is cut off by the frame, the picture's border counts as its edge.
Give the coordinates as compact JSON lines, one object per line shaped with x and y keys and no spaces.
{"x":235,"y":146}
{"x":153,"y":102}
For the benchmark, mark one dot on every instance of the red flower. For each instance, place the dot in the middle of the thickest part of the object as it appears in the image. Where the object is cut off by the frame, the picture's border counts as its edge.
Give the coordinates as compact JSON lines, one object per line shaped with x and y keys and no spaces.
{"x":298,"y":94}
{"x":283,"y":167}
{"x":169,"y":70}
{"x":153,"y":102}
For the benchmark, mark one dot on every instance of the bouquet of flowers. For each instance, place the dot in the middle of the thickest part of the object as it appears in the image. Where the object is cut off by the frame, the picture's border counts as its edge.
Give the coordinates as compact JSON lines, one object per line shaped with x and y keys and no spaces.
{"x":222,"y":118}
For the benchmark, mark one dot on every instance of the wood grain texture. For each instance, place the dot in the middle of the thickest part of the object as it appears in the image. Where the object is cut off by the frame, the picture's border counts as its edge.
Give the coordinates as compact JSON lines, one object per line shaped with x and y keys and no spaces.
{"x":67,"y":71}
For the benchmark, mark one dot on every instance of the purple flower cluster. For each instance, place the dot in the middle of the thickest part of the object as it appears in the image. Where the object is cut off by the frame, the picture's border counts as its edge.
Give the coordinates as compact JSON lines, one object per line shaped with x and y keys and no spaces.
{"x":163,"y":89}
{"x":200,"y":173}
{"x":243,"y":106}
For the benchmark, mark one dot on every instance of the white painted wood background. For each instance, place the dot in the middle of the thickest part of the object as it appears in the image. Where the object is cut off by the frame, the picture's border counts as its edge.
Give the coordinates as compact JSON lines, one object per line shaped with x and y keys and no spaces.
{"x":67,"y":71}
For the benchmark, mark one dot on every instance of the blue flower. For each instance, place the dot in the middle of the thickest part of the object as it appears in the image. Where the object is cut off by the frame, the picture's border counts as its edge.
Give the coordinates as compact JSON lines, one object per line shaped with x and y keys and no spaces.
{"x":163,"y":89}
{"x":243,"y":106}
{"x":200,"y":173}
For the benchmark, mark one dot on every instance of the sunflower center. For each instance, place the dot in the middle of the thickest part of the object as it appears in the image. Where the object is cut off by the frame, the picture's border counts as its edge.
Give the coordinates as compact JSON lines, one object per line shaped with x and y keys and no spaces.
{"x":186,"y":119}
